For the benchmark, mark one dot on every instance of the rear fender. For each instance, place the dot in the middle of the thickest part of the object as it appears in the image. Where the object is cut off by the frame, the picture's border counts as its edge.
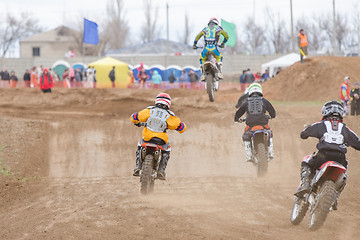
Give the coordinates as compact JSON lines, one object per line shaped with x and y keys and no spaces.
{"x":330,"y":171}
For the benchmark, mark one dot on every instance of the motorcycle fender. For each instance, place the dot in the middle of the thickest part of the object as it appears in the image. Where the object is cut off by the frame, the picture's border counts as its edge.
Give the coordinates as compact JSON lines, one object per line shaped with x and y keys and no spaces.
{"x":318,"y":175}
{"x":341,"y":180}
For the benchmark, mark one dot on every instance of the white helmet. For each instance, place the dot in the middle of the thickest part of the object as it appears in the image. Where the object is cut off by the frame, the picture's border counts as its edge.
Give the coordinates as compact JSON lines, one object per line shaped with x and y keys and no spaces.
{"x":332,"y":109}
{"x":255,"y":88}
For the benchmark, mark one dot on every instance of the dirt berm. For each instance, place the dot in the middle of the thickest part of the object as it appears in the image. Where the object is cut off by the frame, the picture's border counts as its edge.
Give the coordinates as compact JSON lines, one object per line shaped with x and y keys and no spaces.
{"x":67,"y":160}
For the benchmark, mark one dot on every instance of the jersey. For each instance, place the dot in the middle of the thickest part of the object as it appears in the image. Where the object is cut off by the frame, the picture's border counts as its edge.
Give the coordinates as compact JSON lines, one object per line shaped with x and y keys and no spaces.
{"x":212,"y":36}
{"x":332,"y":135}
{"x":256,"y":108}
{"x":159,"y":121}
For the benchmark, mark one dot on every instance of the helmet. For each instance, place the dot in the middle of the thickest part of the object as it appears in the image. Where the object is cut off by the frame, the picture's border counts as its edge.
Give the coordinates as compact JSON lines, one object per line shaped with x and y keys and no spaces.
{"x":163,"y":99}
{"x":213,"y":20}
{"x":332,"y":109}
{"x":255,"y":88}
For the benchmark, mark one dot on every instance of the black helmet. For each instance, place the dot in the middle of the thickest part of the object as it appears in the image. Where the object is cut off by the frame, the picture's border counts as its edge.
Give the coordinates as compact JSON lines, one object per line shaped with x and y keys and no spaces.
{"x":332,"y":109}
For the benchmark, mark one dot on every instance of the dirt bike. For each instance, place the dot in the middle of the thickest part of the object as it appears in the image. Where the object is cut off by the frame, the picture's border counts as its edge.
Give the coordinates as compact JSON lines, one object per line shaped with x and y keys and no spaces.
{"x":259,"y":144}
{"x":326,"y":185}
{"x":211,"y":69}
{"x":150,"y":156}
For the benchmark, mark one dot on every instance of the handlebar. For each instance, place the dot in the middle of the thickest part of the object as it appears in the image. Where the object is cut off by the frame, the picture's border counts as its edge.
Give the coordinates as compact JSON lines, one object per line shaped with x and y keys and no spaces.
{"x":218,"y":45}
{"x":140,"y":124}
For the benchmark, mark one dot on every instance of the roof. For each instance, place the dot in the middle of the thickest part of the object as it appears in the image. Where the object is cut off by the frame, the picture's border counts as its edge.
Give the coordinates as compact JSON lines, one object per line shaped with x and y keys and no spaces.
{"x":107,"y":61}
{"x":153,"y":47}
{"x":59,"y":34}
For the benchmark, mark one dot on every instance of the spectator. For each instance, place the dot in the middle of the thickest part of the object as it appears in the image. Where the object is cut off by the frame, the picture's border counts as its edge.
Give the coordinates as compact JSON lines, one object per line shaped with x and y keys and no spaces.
{"x":194,"y":79}
{"x":279,"y":69}
{"x":112,"y":76}
{"x":355,"y":101}
{"x":142,"y":75}
{"x":46,"y":82}
{"x":40,"y":71}
{"x":33,"y":78}
{"x":90,"y":77}
{"x":183,"y":79}
{"x":5,"y":76}
{"x":78,"y":77}
{"x":131,"y":78}
{"x":27,"y":78}
{"x":257,"y":77}
{"x":345,"y":95}
{"x":172,"y":77}
{"x":65,"y":78}
{"x":71,"y":74}
{"x":13,"y":79}
{"x":302,"y":44}
{"x":242,"y":81}
{"x":94,"y":75}
{"x":265,"y":75}
{"x":156,"y":79}
{"x":249,"y":78}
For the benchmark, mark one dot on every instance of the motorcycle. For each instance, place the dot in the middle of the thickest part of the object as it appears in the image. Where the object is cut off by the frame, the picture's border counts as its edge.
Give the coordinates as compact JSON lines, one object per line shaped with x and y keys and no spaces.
{"x":259,"y":143}
{"x":326,"y":185}
{"x":150,"y":156}
{"x":211,"y":69}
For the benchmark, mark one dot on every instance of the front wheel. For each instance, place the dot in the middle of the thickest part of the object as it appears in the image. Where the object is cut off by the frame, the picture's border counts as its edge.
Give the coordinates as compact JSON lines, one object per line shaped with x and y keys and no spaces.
{"x":324,"y":201}
{"x":262,"y":165}
{"x":299,"y":210}
{"x":146,"y":179}
{"x":210,"y":87}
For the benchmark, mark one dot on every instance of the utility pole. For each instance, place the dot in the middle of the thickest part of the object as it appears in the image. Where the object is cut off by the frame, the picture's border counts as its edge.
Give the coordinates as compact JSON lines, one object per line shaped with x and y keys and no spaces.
{"x":292,"y":27}
{"x":334,"y":30}
{"x":167,"y":39}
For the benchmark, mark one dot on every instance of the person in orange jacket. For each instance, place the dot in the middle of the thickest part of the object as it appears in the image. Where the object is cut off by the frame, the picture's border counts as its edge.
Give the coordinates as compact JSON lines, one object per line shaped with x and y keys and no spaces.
{"x":345,"y":95}
{"x":46,"y":81}
{"x":302,"y":43}
{"x":158,"y":119}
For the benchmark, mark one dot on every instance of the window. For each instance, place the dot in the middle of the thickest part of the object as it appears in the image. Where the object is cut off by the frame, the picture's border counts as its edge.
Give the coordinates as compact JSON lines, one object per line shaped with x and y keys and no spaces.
{"x":36,"y":52}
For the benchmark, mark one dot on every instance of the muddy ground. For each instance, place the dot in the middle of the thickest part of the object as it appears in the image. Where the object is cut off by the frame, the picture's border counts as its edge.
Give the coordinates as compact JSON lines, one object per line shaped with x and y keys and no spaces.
{"x":67,"y":161}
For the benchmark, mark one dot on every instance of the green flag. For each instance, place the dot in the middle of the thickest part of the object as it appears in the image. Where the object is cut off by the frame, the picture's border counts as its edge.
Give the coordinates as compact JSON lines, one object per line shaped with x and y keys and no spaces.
{"x":230,"y":28}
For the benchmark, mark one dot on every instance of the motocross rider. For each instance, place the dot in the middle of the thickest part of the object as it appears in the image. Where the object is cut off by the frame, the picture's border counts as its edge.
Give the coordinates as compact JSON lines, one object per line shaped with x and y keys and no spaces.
{"x":158,"y":119}
{"x":333,"y":135}
{"x":255,"y":106}
{"x":211,"y":35}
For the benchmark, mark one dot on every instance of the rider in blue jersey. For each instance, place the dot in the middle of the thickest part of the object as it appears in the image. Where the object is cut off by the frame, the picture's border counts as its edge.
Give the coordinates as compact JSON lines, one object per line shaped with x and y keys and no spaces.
{"x":211,"y":35}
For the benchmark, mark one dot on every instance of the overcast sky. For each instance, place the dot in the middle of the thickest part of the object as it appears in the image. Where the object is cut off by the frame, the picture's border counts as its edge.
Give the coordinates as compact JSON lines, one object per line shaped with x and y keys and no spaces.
{"x":51,"y":13}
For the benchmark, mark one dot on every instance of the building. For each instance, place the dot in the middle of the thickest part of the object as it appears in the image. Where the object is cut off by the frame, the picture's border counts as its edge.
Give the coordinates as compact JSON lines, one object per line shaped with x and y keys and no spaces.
{"x":58,"y":42}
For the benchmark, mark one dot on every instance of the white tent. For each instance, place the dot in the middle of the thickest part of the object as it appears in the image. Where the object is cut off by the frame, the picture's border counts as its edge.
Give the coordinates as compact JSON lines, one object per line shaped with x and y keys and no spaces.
{"x":282,"y":62}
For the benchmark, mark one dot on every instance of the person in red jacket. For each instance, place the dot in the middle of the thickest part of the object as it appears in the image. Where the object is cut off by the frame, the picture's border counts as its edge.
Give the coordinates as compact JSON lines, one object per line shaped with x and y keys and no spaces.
{"x":46,"y":81}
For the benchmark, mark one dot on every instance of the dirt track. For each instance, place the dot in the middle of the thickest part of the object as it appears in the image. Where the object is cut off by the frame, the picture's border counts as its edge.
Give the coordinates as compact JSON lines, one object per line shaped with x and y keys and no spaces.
{"x":73,"y":152}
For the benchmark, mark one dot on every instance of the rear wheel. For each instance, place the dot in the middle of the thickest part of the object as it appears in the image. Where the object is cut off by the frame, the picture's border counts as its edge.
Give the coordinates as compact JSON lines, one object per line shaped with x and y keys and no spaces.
{"x":210,"y":87}
{"x":146,"y":180}
{"x":299,"y":210}
{"x":262,"y":165}
{"x":324,"y":201}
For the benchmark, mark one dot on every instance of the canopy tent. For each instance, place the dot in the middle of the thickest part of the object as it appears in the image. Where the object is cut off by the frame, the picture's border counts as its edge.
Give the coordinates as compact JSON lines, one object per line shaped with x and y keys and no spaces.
{"x":282,"y":62}
{"x":79,"y":65}
{"x":104,"y":66}
{"x":59,"y":67}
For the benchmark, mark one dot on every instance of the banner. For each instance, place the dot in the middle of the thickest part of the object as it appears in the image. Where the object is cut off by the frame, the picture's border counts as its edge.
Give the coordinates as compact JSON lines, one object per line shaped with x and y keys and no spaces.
{"x":230,"y":28}
{"x":91,"y":35}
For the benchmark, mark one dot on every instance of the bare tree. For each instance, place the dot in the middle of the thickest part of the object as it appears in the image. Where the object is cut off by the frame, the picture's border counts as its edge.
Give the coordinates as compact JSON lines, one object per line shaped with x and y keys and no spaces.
{"x":15,"y":29}
{"x":277,"y":32}
{"x":312,"y":31}
{"x":116,"y":30}
{"x":254,"y":36}
{"x":150,"y":29}
{"x":187,"y":29}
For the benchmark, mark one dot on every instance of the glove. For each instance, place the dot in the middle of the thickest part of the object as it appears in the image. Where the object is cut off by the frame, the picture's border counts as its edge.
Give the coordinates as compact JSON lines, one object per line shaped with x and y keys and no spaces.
{"x":222,"y":45}
{"x":194,"y":46}
{"x":137,"y":124}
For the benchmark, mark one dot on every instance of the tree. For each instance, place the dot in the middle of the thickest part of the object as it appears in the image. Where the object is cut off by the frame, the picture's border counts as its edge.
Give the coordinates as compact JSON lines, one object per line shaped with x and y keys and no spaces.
{"x":187,"y":29}
{"x":312,"y":31}
{"x":116,"y":29}
{"x":254,"y":36}
{"x":149,"y":29}
{"x":15,"y":29}
{"x":276,"y":33}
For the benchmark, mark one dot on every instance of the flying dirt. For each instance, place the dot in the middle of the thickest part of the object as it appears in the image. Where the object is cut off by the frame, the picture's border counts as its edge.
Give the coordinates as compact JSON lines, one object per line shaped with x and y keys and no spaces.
{"x":67,"y":161}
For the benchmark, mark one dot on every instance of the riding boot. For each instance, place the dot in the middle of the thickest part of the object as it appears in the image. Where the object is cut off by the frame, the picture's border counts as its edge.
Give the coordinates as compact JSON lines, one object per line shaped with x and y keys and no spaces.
{"x":216,"y":85}
{"x":271,"y":149}
{"x":305,"y":182}
{"x":248,"y":151}
{"x":138,"y":163}
{"x":163,"y":163}
{"x":219,"y":75}
{"x":202,"y":78}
